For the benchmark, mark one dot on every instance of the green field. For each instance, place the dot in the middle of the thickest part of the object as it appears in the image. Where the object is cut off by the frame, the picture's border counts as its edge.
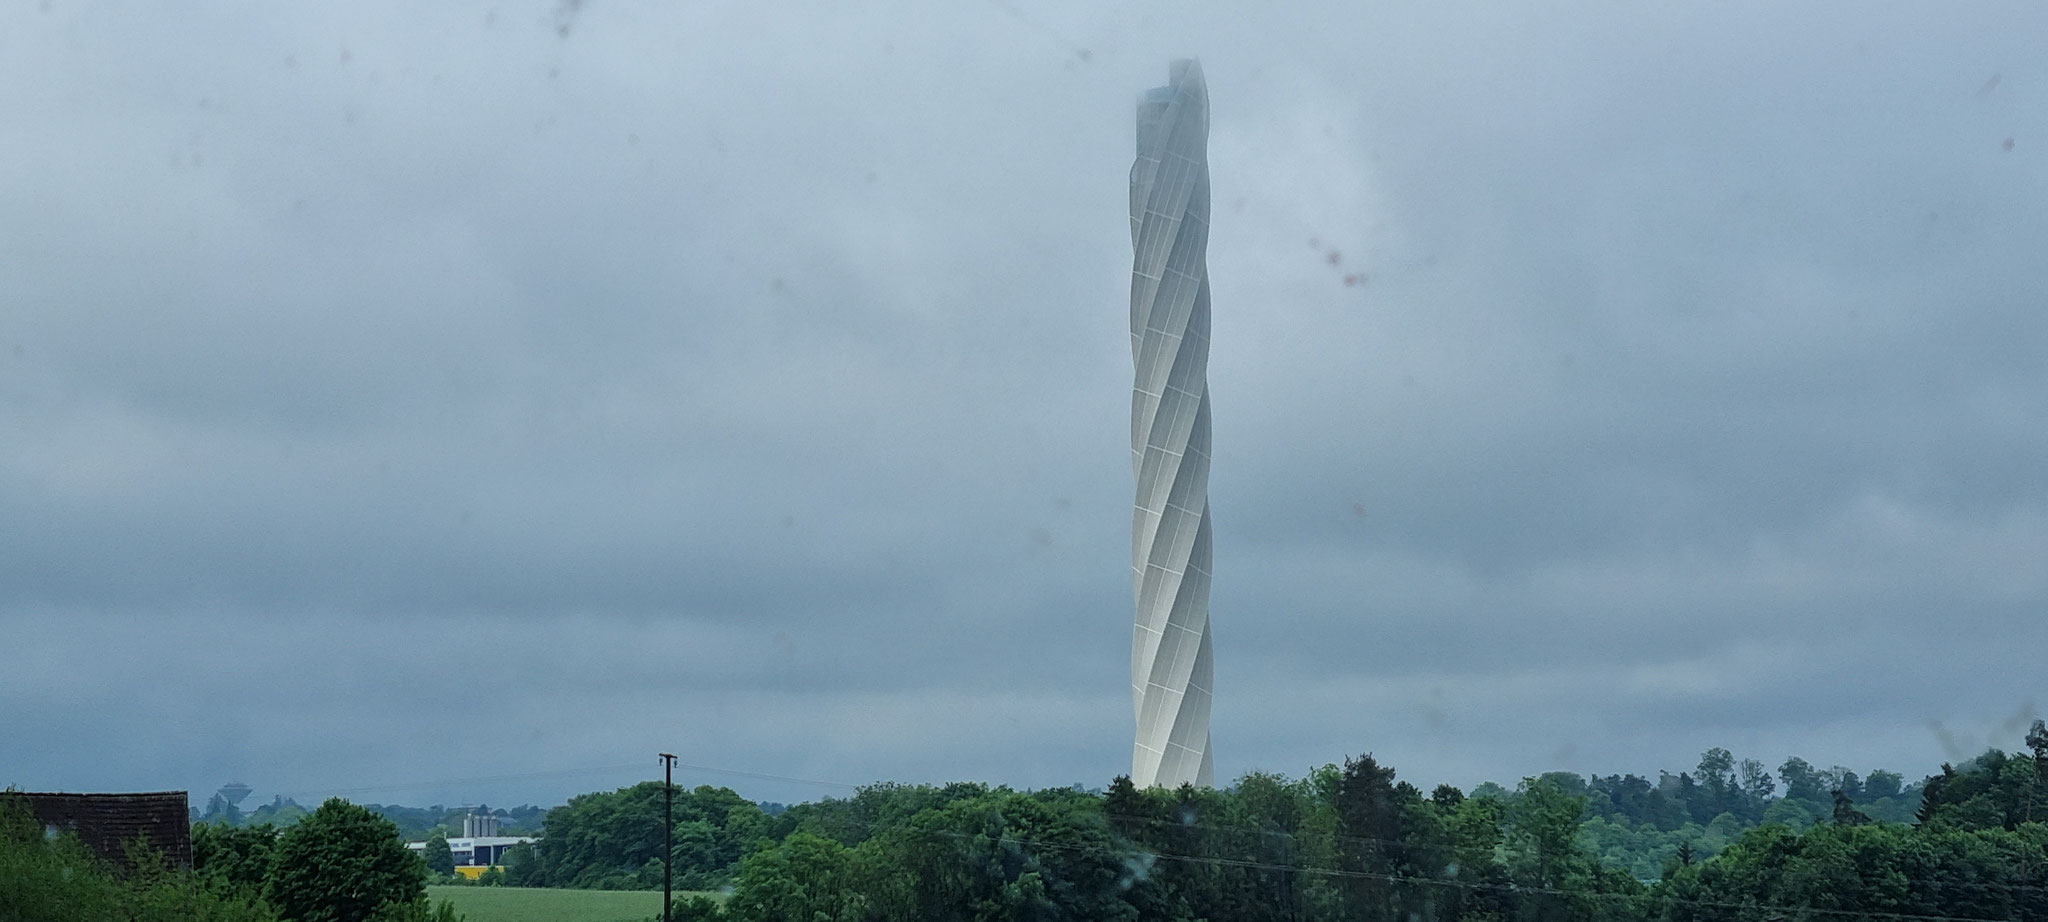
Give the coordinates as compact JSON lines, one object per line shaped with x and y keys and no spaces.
{"x":531,"y":904}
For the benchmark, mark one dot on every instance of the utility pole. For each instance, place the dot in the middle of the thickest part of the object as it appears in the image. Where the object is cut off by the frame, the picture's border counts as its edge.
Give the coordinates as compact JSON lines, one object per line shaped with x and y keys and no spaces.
{"x":668,"y":833}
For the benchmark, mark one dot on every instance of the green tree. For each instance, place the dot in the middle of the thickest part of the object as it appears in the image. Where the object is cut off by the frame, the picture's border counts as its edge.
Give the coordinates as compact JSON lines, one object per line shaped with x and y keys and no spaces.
{"x":609,"y":840}
{"x":220,"y":810}
{"x":1794,"y":813}
{"x":343,"y":863}
{"x":1840,"y":778}
{"x":1127,"y":809}
{"x":1554,"y":877}
{"x":1687,"y":792}
{"x":281,"y":812}
{"x":1368,"y":838}
{"x":808,"y":878}
{"x":1542,"y":836}
{"x":1934,"y":793}
{"x":233,"y":859}
{"x":1992,"y":790}
{"x":1475,"y":831}
{"x":1846,"y":813}
{"x":1002,"y":857}
{"x":1277,"y":814}
{"x":1884,"y":870}
{"x":1756,"y":781}
{"x":440,"y":858}
{"x":1802,"y":780}
{"x":2037,"y":746}
{"x":1718,"y":784}
{"x":696,"y":908}
{"x":525,"y":866}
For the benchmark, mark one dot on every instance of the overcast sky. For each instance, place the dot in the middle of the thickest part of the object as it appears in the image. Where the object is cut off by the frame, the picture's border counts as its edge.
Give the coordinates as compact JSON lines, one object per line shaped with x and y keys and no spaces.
{"x":396,"y":397}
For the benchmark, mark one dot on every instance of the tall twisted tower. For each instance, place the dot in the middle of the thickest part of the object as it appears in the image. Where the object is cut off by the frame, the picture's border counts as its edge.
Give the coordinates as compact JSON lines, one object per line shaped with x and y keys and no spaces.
{"x":1170,"y":659}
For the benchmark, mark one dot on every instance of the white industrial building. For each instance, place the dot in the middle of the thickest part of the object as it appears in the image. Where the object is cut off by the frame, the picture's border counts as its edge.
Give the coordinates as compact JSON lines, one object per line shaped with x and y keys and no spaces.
{"x":480,"y":845}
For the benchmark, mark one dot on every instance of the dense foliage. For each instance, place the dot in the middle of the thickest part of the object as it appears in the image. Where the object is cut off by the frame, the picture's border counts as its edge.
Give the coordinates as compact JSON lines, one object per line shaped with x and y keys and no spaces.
{"x":1721,"y":842}
{"x":613,"y":841}
{"x":232,"y":858}
{"x":439,"y":856}
{"x":1642,"y":826}
{"x":379,"y":875}
{"x":340,"y":863}
{"x":1347,"y":842}
{"x":1865,"y":868}
{"x":54,"y":879}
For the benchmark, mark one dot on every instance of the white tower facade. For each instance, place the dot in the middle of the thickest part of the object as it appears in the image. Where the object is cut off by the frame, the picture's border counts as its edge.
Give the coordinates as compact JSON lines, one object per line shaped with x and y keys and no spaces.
{"x":1171,"y":671}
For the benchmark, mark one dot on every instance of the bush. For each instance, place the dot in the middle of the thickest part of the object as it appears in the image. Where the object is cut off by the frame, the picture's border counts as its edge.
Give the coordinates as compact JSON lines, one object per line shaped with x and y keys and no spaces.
{"x":56,"y":880}
{"x":440,"y":858}
{"x":344,"y":864}
{"x":233,"y":859}
{"x":696,"y":909}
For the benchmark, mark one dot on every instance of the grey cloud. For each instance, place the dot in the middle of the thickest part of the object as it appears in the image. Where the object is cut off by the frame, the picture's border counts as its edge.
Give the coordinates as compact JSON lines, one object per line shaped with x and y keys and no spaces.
{"x":388,"y":392}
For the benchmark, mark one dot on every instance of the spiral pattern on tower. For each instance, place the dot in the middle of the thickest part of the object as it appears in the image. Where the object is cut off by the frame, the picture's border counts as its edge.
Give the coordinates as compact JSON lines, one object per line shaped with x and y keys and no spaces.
{"x":1171,"y":671}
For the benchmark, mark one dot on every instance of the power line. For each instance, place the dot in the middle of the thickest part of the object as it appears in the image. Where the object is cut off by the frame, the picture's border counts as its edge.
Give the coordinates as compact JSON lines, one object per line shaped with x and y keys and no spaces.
{"x":668,"y":833}
{"x":767,"y":777}
{"x":461,"y":782}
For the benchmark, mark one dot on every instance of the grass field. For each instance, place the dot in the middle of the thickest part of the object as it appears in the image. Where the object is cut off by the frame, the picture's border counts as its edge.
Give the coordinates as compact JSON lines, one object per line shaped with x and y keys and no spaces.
{"x":525,"y":904}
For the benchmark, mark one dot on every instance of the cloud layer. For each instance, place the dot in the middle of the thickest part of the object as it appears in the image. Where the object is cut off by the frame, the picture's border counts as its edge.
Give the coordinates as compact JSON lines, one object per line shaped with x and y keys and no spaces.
{"x":402,"y":397}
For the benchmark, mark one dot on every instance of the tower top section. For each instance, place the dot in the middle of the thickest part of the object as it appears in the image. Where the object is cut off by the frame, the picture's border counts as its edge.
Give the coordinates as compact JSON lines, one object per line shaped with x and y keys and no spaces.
{"x":1184,"y":98}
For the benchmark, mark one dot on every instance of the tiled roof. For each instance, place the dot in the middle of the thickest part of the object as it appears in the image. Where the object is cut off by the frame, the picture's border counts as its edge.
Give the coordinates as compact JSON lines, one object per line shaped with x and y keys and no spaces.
{"x":106,"y":823}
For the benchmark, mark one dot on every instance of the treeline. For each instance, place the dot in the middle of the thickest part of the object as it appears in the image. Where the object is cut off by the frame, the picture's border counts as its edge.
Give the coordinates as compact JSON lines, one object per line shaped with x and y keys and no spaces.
{"x":612,"y":840}
{"x":414,"y":823}
{"x":1641,"y":826}
{"x":1349,"y":842}
{"x":1727,"y":840}
{"x":280,"y":812}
